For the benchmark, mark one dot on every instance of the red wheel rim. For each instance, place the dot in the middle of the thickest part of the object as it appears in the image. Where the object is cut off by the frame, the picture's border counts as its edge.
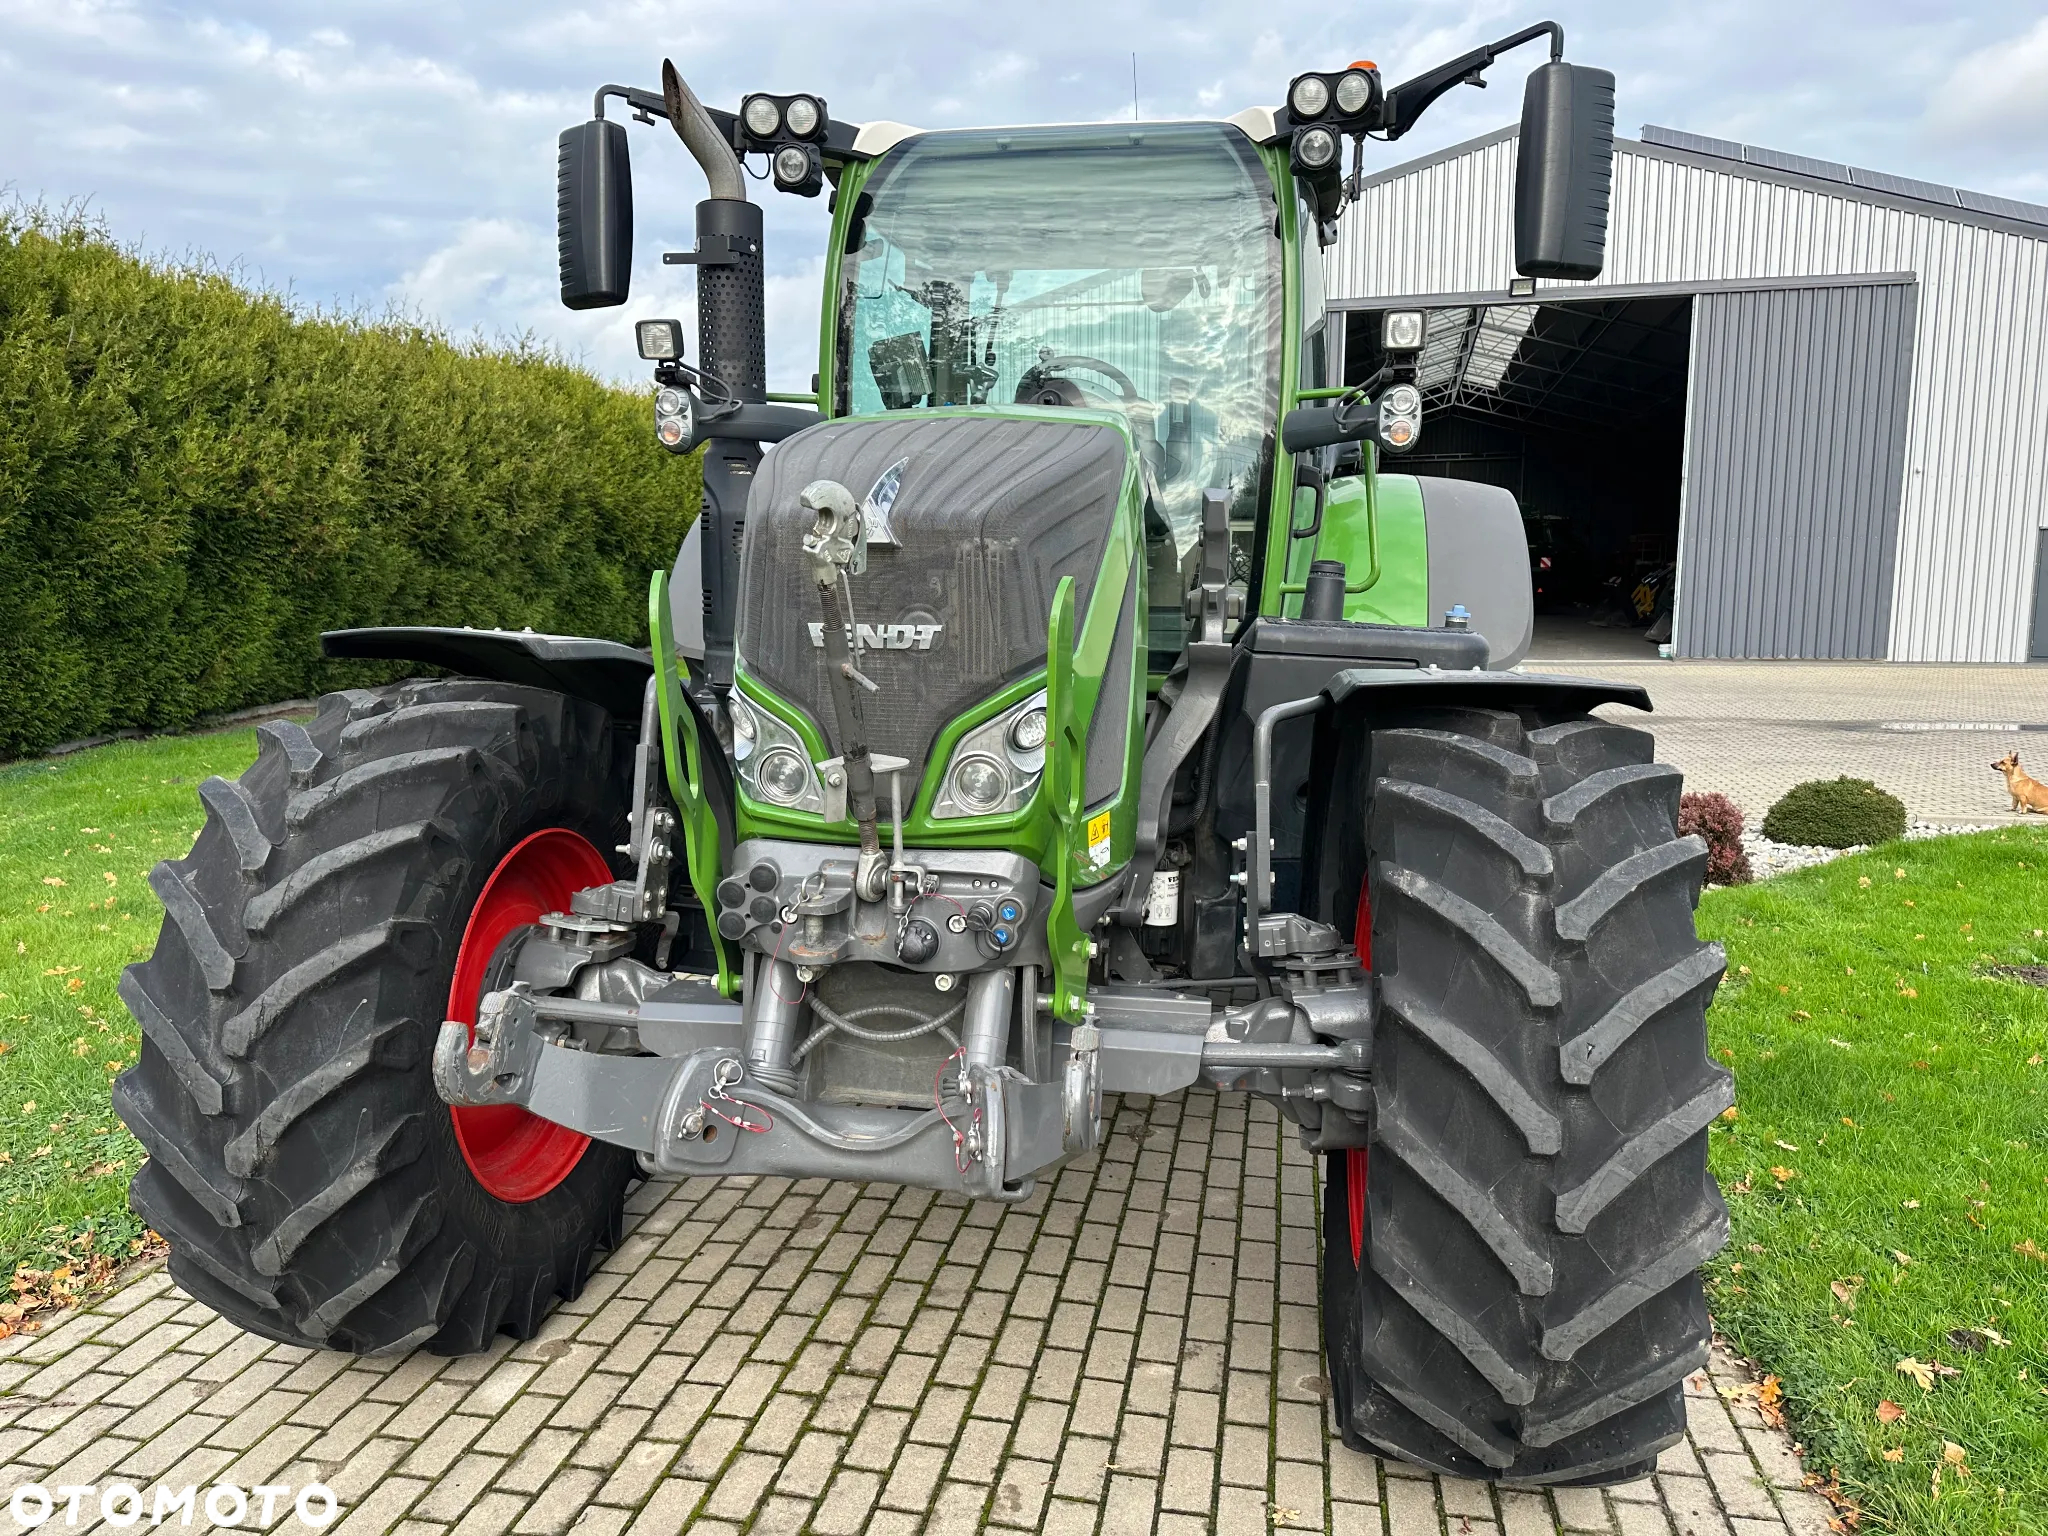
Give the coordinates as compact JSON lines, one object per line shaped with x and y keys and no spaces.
{"x":514,"y":1153}
{"x":1355,"y":1161}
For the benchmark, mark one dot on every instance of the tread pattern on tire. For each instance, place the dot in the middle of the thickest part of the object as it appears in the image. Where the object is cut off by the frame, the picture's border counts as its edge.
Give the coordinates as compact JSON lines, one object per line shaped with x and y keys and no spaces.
{"x":1527,"y":1306}
{"x":301,"y":1166}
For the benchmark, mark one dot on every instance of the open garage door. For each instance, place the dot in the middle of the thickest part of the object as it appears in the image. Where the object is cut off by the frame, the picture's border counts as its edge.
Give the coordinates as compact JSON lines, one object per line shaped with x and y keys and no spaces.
{"x":1576,"y":406}
{"x":1795,"y":447}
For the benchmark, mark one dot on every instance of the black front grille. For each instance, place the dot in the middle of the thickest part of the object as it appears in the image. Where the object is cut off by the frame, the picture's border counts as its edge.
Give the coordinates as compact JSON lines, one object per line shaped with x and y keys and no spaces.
{"x":990,"y":513}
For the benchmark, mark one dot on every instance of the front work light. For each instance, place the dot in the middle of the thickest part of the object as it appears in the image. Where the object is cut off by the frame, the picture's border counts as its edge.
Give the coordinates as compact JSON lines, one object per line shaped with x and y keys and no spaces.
{"x":803,"y":116}
{"x":762,"y":116}
{"x":1308,"y":97}
{"x":1314,"y":149}
{"x":1401,"y":330}
{"x":1354,"y":92}
{"x":660,"y":341}
{"x":799,"y":168}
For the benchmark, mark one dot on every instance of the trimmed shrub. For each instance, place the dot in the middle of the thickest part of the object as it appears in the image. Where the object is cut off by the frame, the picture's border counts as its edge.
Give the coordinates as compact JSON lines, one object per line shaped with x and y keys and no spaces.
{"x":1717,"y":819}
{"x":1836,"y":813}
{"x":195,"y":481}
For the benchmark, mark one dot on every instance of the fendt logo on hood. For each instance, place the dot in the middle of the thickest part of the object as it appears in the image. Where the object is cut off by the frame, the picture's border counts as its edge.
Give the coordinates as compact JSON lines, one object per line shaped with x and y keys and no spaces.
{"x":884,"y":637}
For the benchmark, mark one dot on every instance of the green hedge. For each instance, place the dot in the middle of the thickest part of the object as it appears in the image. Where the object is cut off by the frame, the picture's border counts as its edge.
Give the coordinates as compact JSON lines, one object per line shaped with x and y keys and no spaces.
{"x":195,"y":481}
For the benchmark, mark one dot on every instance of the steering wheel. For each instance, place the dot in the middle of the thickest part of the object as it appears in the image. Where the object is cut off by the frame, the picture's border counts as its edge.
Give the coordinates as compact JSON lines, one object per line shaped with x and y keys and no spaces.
{"x":1041,"y":384}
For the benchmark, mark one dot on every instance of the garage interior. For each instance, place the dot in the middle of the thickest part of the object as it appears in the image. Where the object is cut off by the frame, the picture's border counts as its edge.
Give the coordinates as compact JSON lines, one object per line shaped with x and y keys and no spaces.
{"x":1578,"y":408}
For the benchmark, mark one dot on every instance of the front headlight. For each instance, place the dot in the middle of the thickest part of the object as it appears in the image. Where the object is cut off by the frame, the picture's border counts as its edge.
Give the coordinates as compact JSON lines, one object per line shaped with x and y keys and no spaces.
{"x":996,"y":766}
{"x":773,"y":766}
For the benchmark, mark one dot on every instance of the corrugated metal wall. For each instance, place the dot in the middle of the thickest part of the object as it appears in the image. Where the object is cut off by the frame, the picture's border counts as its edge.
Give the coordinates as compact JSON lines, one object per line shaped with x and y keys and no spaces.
{"x":1975,"y":453}
{"x":1792,"y":462}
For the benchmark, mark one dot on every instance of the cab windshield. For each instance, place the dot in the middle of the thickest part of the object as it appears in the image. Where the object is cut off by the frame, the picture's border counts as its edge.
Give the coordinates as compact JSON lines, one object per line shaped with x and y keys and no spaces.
{"x":1133,"y":268}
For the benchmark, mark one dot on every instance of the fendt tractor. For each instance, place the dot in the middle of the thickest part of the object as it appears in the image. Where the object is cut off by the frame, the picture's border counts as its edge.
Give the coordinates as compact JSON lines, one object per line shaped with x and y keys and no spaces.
{"x":1064,"y":700}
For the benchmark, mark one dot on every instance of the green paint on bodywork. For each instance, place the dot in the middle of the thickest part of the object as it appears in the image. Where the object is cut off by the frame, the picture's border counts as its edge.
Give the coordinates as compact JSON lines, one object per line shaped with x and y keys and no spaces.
{"x":682,"y":752}
{"x":1066,"y":763}
{"x":1030,"y":830}
{"x":1401,"y":595}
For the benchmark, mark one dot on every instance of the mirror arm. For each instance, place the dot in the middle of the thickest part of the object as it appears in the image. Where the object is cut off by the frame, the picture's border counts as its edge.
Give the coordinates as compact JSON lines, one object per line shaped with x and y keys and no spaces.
{"x":1406,"y":102}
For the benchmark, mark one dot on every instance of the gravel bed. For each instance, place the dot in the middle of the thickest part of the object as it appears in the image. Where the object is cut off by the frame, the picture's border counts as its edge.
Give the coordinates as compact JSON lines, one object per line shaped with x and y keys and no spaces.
{"x":1767,"y":858}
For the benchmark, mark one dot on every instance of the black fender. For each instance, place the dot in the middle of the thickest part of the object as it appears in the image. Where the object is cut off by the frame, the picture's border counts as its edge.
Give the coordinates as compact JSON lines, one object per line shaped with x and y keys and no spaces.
{"x":1359,"y":699}
{"x":602,"y":671}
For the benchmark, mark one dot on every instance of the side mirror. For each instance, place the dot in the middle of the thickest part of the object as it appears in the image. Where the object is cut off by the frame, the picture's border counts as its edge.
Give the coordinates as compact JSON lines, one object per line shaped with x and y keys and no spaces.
{"x":594,"y":214}
{"x":1563,"y":170}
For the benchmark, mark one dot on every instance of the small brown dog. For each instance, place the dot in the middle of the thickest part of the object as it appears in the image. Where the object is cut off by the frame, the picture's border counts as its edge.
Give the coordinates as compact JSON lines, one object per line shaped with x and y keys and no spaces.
{"x":2027,"y":794}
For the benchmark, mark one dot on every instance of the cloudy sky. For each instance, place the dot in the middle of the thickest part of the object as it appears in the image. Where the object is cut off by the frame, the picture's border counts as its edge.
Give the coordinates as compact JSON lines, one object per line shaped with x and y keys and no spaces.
{"x":371,"y":153}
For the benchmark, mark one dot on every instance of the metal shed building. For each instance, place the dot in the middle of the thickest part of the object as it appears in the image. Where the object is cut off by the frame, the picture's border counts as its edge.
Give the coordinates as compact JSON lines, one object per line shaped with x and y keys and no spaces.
{"x":1854,"y":367}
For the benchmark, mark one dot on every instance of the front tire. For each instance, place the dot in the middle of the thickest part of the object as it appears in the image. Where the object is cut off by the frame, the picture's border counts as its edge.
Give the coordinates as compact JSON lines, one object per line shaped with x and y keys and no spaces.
{"x":1512,"y":1295}
{"x":311,"y":1184}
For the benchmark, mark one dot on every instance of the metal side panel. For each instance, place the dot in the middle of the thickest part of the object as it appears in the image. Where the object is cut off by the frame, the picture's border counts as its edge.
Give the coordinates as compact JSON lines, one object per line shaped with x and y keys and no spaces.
{"x":1479,"y":556}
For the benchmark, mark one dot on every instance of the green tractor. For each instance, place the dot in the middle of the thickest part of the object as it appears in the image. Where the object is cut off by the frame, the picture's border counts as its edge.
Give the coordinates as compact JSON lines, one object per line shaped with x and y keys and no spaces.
{"x":1064,"y":700}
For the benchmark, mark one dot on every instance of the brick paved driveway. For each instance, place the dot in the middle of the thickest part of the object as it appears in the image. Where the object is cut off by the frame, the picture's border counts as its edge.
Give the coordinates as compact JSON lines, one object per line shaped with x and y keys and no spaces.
{"x":1753,"y":729}
{"x":1134,"y":1350}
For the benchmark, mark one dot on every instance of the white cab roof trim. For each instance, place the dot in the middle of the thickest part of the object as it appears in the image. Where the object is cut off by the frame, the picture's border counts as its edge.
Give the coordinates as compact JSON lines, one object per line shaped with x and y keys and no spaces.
{"x":1256,"y":123}
{"x":877,"y":138}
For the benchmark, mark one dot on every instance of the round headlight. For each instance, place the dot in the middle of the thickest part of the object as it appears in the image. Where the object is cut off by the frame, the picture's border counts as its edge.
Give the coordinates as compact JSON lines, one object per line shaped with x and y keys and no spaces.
{"x":1311,"y":94}
{"x":1403,"y":400}
{"x":668,"y":402}
{"x":671,"y":430}
{"x":802,"y":117}
{"x":1316,"y":148}
{"x":1354,"y":92}
{"x":761,"y":116}
{"x":980,"y":783}
{"x":782,"y":776}
{"x":792,"y":165}
{"x":1398,"y":433}
{"x":1028,"y":733}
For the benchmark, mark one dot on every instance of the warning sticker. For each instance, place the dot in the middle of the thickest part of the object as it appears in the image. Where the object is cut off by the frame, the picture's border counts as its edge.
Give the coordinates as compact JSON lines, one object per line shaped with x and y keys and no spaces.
{"x":1098,"y":839}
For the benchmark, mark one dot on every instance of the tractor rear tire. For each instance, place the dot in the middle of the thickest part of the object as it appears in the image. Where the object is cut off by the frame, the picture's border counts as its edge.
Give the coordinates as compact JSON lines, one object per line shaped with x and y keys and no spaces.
{"x":1513,"y":1295}
{"x":309,"y":1180}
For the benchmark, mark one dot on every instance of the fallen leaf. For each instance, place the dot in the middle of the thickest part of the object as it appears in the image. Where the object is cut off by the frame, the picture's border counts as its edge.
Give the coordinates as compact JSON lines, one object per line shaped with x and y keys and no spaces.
{"x":1782,"y":1174}
{"x":53,"y":880}
{"x":1841,"y":1045}
{"x":1801,"y":1013}
{"x":1898,"y":874}
{"x":1896,"y":1453}
{"x":1788,"y":1146}
{"x":2027,"y":1248}
{"x":1911,"y":1205}
{"x":1919,"y":1370}
{"x":1845,"y":1290}
{"x":1889,"y":1412}
{"x":1848,"y":1122}
{"x":1730,"y":1113}
{"x":1864,"y":881}
{"x":1903,"y":1258}
{"x":1952,"y":1453}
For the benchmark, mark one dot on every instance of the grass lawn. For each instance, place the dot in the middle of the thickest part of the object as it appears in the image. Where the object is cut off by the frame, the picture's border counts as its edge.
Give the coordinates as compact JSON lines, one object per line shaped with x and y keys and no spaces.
{"x":1887,"y":1167}
{"x":78,"y":836}
{"x":1888,"y":1170}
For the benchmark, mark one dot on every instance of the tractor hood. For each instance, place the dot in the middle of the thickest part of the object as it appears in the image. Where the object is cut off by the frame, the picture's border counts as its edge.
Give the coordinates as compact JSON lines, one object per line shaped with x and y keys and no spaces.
{"x":973,"y":516}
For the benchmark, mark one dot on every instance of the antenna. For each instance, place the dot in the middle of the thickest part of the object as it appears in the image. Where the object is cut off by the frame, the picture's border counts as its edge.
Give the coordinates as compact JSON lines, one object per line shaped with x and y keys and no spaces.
{"x":1134,"y":88}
